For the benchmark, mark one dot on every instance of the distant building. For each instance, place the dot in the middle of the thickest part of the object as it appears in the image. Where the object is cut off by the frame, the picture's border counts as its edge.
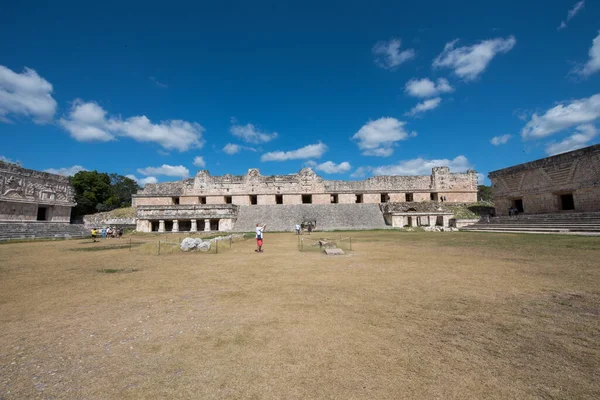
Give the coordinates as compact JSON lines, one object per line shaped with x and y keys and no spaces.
{"x":562,"y":183}
{"x":208,"y":202}
{"x":27,"y":195}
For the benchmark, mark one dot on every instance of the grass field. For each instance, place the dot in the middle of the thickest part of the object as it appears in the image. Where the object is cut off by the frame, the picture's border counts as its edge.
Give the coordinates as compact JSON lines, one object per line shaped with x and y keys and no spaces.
{"x":404,"y":315}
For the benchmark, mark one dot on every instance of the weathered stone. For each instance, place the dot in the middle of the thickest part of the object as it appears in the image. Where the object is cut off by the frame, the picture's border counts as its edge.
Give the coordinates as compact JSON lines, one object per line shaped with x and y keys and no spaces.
{"x":565,"y":182}
{"x":190,"y":244}
{"x":29,"y":195}
{"x":334,"y":252}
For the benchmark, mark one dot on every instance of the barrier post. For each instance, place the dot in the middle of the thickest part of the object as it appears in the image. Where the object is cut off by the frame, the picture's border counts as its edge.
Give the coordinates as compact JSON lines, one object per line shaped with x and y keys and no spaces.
{"x":159,"y":247}
{"x":216,"y":246}
{"x":350,"y":243}
{"x":129,"y":244}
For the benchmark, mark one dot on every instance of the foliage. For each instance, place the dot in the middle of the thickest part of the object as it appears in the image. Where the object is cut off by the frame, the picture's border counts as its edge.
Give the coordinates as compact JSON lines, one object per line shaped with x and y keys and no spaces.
{"x":484,"y":193}
{"x":98,"y":191}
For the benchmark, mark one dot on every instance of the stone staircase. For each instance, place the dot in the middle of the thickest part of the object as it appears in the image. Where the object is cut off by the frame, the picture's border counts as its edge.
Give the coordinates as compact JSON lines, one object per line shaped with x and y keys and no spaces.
{"x":280,"y":218}
{"x":582,"y":223}
{"x":41,"y":230}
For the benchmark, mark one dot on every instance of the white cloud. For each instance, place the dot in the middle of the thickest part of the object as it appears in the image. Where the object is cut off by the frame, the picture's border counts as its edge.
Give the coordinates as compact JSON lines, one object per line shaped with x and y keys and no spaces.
{"x":498,"y":140}
{"x":68,"y":171}
{"x":360,"y":172}
{"x":25,"y":94}
{"x":420,"y":166}
{"x":427,"y":88}
{"x":468,"y":62}
{"x":329,"y":167}
{"x":572,"y":12}
{"x":425,"y":106}
{"x":576,"y":141}
{"x":231,"y":148}
{"x":142,"y":181}
{"x":199,"y":162}
{"x":8,"y":160}
{"x":248,"y":133}
{"x":310,"y":151}
{"x":593,"y":64}
{"x":166,"y":170}
{"x":377,"y":138}
{"x":158,"y":83}
{"x":88,"y":121}
{"x":388,"y":54}
{"x":563,"y":116}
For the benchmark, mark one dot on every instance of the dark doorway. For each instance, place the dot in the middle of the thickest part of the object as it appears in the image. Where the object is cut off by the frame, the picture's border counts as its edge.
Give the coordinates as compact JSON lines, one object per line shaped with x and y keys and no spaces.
{"x":307,"y":199}
{"x":518,"y":204}
{"x":200,"y":225}
{"x":385,"y":197}
{"x":253,"y":199}
{"x":202,"y":199}
{"x":359,"y":198}
{"x":185,"y":226}
{"x":334,"y":199}
{"x":168,"y":226}
{"x":154,"y":226}
{"x":42,"y":214}
{"x":278,"y":199}
{"x":433,"y":196}
{"x":175,"y":200}
{"x":214,"y":224}
{"x":566,"y":201}
{"x":408,"y":197}
{"x":227,"y":199}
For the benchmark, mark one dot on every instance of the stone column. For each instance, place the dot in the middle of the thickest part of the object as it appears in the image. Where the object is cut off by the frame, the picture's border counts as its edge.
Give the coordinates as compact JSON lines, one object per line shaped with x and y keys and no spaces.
{"x":161,"y":225}
{"x":175,"y":225}
{"x":194,"y":227}
{"x":207,"y":225}
{"x":219,"y":228}
{"x":432,"y":220}
{"x":446,"y":221}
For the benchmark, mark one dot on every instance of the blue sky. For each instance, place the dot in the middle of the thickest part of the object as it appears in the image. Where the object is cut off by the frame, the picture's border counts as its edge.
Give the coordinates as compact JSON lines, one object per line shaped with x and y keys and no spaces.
{"x":352,"y":89}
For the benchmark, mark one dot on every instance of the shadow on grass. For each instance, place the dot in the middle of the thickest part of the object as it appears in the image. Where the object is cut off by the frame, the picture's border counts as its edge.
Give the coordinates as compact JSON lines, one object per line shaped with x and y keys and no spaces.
{"x":114,"y":270}
{"x":108,"y":247}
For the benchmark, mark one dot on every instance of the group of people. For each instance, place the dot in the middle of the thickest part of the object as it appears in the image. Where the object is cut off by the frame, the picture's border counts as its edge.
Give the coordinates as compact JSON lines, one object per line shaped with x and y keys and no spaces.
{"x":513,"y":211}
{"x":108,"y":232}
{"x":299,"y":228}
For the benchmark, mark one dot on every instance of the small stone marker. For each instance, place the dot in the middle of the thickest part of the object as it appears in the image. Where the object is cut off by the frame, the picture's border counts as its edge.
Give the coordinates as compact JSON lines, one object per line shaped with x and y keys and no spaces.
{"x":334,"y":252}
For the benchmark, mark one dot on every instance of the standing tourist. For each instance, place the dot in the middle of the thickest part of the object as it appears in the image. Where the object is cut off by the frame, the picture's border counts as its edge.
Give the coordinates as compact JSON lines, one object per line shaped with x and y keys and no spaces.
{"x":103,"y":232}
{"x":297,"y":229}
{"x":259,"y":237}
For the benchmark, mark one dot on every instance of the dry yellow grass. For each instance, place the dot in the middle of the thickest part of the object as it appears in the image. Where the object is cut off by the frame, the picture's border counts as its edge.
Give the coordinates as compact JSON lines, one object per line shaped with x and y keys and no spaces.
{"x":406,"y":315}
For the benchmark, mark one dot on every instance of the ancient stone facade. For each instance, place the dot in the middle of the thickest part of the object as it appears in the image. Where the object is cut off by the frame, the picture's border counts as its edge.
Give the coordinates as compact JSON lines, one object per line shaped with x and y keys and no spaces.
{"x":205,"y":198}
{"x":28,"y":195}
{"x":563,"y":183}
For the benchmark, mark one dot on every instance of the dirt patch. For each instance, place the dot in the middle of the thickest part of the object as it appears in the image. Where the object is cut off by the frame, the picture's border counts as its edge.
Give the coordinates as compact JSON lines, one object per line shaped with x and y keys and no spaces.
{"x":408,"y":315}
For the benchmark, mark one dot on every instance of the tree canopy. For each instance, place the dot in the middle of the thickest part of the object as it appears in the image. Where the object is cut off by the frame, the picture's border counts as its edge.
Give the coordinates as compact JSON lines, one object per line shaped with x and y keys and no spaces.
{"x":98,"y":191}
{"x":484,"y":193}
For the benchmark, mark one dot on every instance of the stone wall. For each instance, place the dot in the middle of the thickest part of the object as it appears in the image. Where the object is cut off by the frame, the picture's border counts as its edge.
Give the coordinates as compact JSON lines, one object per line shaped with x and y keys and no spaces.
{"x":540,"y":184}
{"x":24,"y":191}
{"x":214,"y":189}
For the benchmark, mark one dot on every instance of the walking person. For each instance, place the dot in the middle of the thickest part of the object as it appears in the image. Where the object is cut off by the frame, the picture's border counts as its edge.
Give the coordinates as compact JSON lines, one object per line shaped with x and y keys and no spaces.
{"x":297,"y":229}
{"x":94,"y":234}
{"x":259,"y":237}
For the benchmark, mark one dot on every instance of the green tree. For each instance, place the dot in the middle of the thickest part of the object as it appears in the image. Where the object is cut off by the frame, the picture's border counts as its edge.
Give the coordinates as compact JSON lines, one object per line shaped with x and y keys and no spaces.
{"x":123,"y":187}
{"x":98,"y":191}
{"x":484,"y":193}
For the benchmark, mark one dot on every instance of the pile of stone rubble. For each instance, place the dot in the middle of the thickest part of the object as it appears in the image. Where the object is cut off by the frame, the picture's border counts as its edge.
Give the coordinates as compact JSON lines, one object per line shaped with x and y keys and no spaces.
{"x":439,"y":229}
{"x":197,"y":244}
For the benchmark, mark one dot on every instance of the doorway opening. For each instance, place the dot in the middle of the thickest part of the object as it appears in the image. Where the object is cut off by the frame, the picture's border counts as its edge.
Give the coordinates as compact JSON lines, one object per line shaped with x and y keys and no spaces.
{"x":567,"y":202}
{"x":253,"y":199}
{"x":307,"y":199}
{"x":278,"y":199}
{"x":42,"y":214}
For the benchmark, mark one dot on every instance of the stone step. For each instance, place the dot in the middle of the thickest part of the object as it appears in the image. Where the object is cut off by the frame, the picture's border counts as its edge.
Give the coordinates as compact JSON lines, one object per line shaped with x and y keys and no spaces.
{"x":538,"y":232}
{"x":328,"y":216}
{"x":526,"y":228}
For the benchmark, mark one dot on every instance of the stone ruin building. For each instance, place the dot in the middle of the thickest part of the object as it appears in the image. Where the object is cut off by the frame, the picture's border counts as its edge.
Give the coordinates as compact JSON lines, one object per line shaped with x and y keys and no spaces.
{"x":225,"y":203}
{"x":35,"y":204}
{"x":568,"y":182}
{"x":27,"y":195}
